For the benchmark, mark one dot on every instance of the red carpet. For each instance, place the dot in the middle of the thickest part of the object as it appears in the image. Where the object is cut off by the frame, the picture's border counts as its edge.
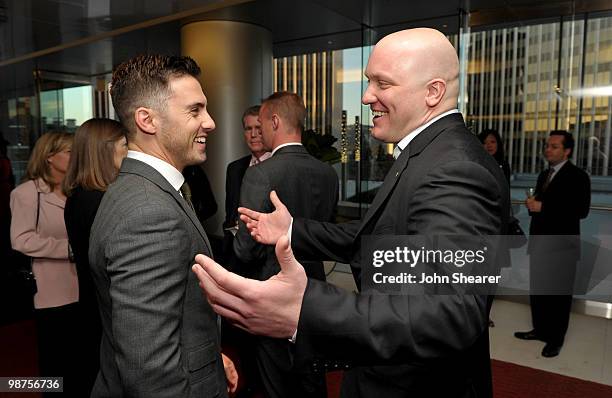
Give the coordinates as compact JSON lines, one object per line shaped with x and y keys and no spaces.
{"x":515,"y":381}
{"x":18,"y":358}
{"x":510,"y":380}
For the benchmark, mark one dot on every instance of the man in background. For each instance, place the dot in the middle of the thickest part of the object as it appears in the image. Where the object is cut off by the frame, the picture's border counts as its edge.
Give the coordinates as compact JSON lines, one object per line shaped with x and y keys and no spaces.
{"x":233,"y":183}
{"x":309,"y":188}
{"x":562,"y":198}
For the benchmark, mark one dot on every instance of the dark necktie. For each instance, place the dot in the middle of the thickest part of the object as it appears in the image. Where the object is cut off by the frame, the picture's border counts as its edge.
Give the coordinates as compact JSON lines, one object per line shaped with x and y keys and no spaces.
{"x":549,"y":176}
{"x":186,"y":192}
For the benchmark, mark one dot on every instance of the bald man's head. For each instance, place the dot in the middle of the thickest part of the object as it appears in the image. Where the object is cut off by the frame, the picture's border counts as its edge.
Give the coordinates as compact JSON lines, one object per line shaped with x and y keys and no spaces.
{"x":414,"y":77}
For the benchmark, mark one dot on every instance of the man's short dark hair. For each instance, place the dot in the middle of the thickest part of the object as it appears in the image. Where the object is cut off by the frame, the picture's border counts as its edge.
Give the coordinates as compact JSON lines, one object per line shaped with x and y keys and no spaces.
{"x":144,"y":81}
{"x":250,"y":111}
{"x":568,"y":139}
{"x":288,"y":106}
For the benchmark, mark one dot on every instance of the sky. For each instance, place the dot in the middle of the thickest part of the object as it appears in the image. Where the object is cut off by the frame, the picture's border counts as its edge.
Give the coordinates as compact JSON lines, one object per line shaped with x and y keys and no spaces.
{"x":77,"y":103}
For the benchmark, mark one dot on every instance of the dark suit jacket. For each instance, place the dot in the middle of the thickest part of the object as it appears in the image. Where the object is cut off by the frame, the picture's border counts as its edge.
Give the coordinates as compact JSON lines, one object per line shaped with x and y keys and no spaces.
{"x":79,"y":214}
{"x":555,"y":230}
{"x":564,"y":203}
{"x":307,"y":186}
{"x":160,"y":336}
{"x":425,"y":345}
{"x":233,"y":183}
{"x":202,"y":197}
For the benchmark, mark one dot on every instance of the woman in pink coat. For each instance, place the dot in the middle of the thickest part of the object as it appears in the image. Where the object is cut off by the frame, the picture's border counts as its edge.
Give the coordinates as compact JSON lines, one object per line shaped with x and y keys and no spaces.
{"x":38,"y":230}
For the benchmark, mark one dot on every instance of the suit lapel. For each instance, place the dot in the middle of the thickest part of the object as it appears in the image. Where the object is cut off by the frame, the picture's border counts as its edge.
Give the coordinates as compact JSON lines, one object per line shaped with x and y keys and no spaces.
{"x":560,"y":174}
{"x":132,"y":166}
{"x":416,"y":146}
{"x":386,"y":188}
{"x":190,"y":214}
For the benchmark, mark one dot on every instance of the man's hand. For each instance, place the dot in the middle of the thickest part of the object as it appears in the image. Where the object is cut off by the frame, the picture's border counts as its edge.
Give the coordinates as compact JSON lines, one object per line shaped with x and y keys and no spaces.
{"x":271,"y":308}
{"x":267,"y":228}
{"x":231,"y":375}
{"x":534,"y":206}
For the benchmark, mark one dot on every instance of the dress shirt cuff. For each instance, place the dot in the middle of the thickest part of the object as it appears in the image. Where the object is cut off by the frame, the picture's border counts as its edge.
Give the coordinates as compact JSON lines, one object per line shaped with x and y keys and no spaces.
{"x":289,"y":231}
{"x":294,"y":336}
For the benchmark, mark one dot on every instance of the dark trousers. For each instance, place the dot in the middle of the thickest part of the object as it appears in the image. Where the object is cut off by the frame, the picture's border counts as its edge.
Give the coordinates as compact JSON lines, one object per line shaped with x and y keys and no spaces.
{"x":57,"y":335}
{"x":551,"y":283}
{"x":550,"y":317}
{"x":89,"y":336}
{"x":278,"y":375}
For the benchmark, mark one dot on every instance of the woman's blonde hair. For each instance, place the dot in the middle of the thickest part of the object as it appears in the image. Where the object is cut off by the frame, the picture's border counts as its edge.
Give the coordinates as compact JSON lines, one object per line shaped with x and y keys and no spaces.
{"x":47,"y":145}
{"x":92,"y":164}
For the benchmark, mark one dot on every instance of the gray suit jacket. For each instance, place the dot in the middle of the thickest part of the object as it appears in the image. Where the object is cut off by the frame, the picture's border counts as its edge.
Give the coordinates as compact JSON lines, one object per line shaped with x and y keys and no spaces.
{"x":307,"y":186}
{"x":160,"y":336}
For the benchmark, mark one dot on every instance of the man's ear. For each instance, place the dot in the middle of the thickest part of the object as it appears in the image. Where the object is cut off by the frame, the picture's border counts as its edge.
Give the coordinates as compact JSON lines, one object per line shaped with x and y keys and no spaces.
{"x":144,"y":120}
{"x":436,"y":89}
{"x":275,"y":121}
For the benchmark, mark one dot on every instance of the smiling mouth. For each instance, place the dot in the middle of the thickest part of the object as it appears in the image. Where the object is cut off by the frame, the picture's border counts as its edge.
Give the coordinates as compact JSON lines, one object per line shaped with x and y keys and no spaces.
{"x":200,"y":140}
{"x":378,"y":114}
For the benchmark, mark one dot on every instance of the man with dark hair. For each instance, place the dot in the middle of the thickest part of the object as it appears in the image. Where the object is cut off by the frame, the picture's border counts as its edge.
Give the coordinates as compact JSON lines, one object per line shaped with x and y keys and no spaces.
{"x":309,"y":188}
{"x":160,"y":336}
{"x":233,"y":183}
{"x":562,"y":198}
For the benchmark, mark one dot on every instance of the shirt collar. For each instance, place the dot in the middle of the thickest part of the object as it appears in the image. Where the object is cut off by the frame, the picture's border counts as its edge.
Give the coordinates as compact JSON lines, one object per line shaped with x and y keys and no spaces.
{"x":558,"y":166}
{"x":255,"y":159}
{"x":410,"y":136}
{"x":284,"y":145}
{"x":169,"y":172}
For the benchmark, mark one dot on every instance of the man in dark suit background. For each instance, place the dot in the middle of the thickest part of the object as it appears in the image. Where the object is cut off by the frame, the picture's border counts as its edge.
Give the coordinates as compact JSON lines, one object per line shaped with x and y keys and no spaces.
{"x":233,"y":183}
{"x":442,"y":183}
{"x":562,"y":198}
{"x":309,"y":188}
{"x":159,"y":336}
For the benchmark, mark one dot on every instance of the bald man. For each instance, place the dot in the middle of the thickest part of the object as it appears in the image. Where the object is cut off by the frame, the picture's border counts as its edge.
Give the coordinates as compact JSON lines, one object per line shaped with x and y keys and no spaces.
{"x":442,"y":183}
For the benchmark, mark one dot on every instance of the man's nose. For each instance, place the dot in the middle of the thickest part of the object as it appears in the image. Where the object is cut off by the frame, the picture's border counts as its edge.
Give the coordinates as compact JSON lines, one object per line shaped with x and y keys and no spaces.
{"x":368,"y":97}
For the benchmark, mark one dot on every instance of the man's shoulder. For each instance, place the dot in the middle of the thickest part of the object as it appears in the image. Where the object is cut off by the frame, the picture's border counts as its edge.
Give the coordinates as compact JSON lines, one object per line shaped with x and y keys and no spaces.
{"x":457,"y":143}
{"x":132,"y":190}
{"x":575,"y":172}
{"x":239,"y":163}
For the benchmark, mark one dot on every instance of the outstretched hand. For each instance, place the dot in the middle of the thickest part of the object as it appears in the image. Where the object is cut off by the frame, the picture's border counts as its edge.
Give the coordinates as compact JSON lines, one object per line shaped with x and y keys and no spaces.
{"x":270,"y":308}
{"x":267,"y":228}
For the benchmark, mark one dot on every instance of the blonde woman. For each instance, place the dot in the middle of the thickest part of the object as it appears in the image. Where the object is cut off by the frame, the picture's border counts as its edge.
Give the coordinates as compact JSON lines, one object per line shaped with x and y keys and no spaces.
{"x":38,"y":230}
{"x":98,"y":150}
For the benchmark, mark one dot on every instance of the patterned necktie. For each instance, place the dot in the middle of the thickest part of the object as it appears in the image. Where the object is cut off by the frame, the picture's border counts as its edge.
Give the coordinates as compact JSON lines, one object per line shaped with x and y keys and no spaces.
{"x":186,"y":192}
{"x":549,"y":176}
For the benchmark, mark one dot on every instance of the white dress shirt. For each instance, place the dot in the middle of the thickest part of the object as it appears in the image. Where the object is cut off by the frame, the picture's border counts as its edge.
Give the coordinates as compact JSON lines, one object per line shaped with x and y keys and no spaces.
{"x":169,"y":172}
{"x":412,"y":135}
